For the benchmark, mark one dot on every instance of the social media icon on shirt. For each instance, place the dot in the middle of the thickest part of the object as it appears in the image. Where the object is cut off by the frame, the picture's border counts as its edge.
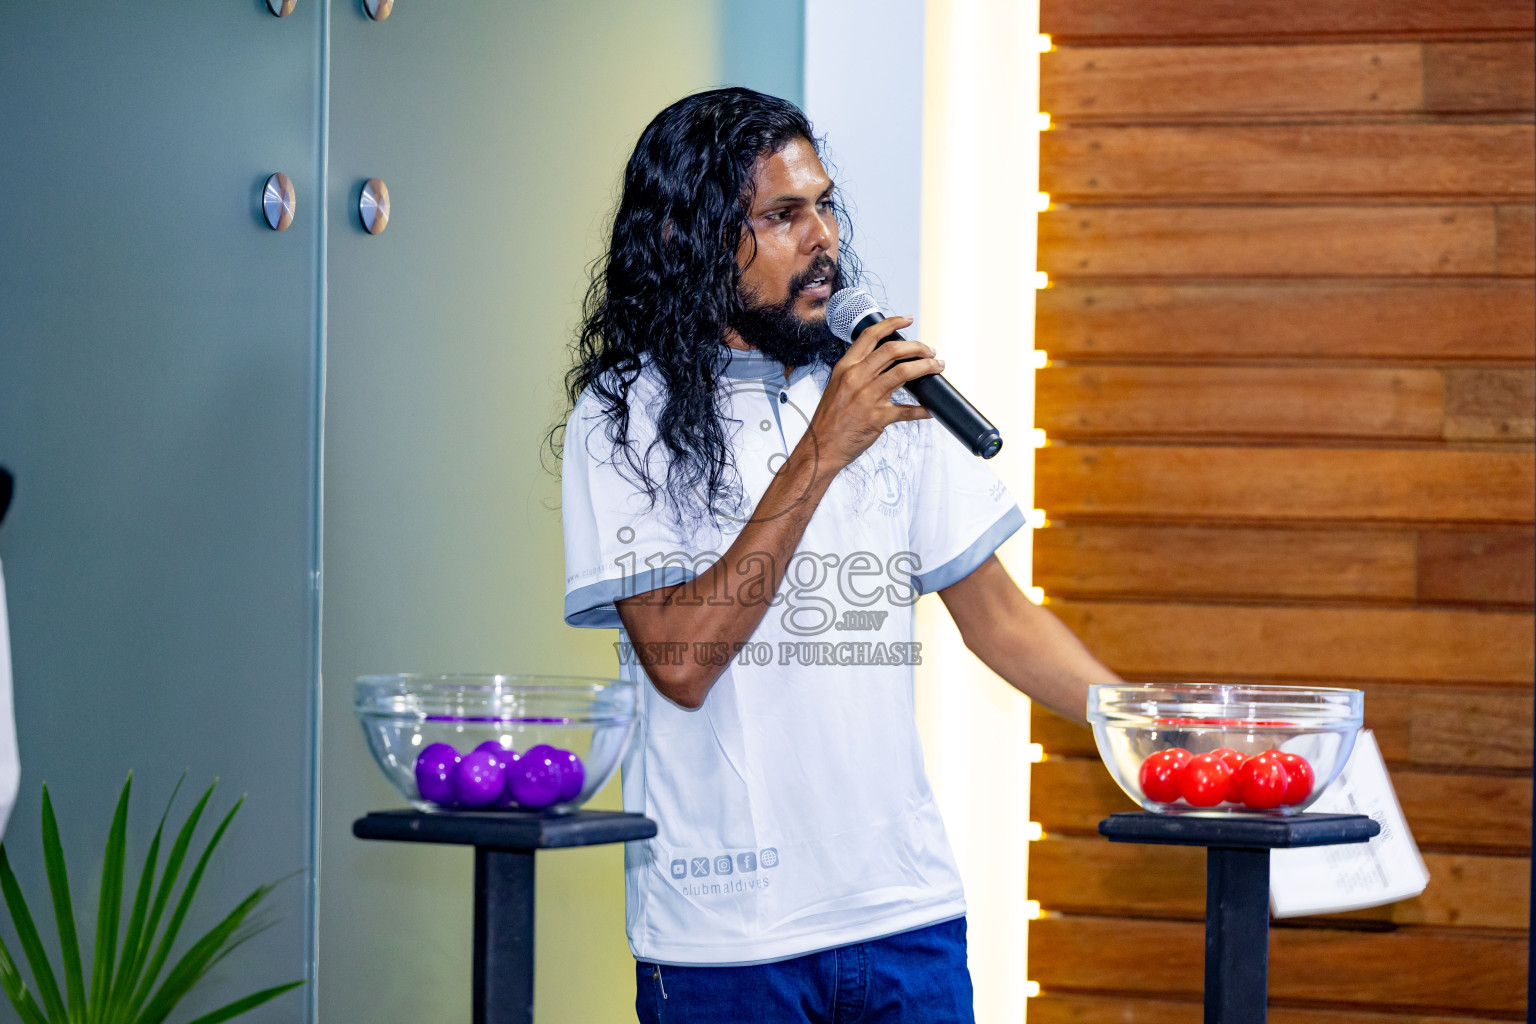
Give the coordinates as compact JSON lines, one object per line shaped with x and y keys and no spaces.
{"x":700,"y":867}
{"x":679,"y":869}
{"x":723,"y":864}
{"x":746,"y":861}
{"x":770,"y":857}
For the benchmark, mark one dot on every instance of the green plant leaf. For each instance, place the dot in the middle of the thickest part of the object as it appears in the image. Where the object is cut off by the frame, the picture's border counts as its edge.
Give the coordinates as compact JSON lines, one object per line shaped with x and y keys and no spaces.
{"x":124,"y":977}
{"x":163,"y":950}
{"x":196,"y":961}
{"x":63,"y":910}
{"x":31,"y":942}
{"x":246,"y":933}
{"x":252,"y":928}
{"x":16,"y":990}
{"x":109,"y":906}
{"x":250,"y":1002}
{"x":134,"y":982}
{"x":123,"y":985}
{"x":249,"y":928}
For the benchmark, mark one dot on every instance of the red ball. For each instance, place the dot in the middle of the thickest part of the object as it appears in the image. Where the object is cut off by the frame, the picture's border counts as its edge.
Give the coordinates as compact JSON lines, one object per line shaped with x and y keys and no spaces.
{"x":1204,"y":780}
{"x":1261,"y":782}
{"x":1159,"y":774}
{"x":1299,"y":770}
{"x":1229,"y":757}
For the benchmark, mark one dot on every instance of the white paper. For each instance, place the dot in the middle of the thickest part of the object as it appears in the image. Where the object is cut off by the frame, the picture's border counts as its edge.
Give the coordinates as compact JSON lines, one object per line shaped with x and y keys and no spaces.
{"x":10,"y":761}
{"x":1332,"y":879}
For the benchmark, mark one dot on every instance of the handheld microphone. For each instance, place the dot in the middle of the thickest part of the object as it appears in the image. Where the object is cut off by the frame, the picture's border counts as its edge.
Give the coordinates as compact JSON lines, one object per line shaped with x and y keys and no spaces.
{"x":853,"y":310}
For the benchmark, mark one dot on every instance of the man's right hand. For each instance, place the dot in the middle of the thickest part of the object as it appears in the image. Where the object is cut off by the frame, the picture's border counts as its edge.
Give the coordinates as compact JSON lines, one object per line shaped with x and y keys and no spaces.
{"x":856,"y":405}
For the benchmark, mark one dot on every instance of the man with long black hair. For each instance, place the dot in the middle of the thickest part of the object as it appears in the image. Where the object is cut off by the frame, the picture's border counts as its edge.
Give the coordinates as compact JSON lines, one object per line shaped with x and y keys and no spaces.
{"x":757,"y":508}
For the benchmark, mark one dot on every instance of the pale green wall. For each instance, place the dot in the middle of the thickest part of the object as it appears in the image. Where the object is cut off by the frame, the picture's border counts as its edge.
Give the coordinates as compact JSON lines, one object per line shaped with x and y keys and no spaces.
{"x":501,"y":130}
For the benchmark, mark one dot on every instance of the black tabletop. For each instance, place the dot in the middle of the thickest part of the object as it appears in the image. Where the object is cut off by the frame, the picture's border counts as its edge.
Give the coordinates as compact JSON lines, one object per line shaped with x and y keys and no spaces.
{"x":505,"y":830}
{"x":1255,"y":833}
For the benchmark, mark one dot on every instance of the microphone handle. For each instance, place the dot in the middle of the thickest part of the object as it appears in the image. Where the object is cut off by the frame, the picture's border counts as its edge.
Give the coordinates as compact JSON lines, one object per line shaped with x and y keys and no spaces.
{"x":945,"y":402}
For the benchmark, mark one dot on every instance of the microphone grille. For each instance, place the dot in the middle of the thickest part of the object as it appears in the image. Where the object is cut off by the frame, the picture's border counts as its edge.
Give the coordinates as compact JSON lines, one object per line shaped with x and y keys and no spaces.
{"x":848,"y":307}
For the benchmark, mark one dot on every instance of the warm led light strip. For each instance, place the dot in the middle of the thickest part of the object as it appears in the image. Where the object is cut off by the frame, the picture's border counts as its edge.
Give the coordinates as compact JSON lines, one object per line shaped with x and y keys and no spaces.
{"x":981,"y":98}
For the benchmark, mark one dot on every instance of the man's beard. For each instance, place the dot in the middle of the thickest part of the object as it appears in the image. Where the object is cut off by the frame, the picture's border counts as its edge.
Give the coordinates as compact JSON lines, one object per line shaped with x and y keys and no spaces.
{"x":779,"y":332}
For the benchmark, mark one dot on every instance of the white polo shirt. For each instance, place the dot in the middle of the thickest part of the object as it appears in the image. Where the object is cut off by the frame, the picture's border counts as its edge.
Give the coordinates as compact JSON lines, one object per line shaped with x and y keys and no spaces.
{"x":793,"y":810}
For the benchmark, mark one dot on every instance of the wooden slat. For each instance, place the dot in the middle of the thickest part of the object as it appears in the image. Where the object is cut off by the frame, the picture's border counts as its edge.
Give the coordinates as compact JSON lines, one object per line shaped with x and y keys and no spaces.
{"x":1516,"y":241}
{"x":1432,"y":645}
{"x":1196,"y":561}
{"x":1436,"y":566}
{"x":1488,"y":814}
{"x":1082,"y":1008}
{"x":1166,"y":958}
{"x":1170,"y":82}
{"x":1447,"y":321}
{"x":1090,"y":875}
{"x":1171,"y":483}
{"x":1471,"y":729}
{"x":1292,"y":241}
{"x":1415,"y":726}
{"x":1484,"y":566}
{"x":1085,"y":403}
{"x":1490,"y":405}
{"x":1156,"y":401}
{"x":1470,"y":812}
{"x":1287,"y":162}
{"x":1081,"y":84}
{"x":1128,"y":21}
{"x":1479,"y":76}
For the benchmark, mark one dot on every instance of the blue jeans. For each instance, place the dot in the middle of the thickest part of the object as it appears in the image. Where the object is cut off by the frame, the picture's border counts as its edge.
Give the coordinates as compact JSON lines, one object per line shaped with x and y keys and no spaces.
{"x":916,"y":977}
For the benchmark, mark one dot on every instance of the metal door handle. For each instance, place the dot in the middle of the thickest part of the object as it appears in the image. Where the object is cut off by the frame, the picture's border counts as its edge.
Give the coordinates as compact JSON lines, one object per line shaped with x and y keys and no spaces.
{"x":277,"y":202}
{"x":373,"y":206}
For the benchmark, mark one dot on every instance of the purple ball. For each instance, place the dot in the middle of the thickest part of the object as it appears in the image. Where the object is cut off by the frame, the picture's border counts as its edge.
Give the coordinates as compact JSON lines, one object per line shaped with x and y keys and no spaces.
{"x":507,"y":759}
{"x":434,"y":772}
{"x":536,"y":778}
{"x":543,"y":751}
{"x":477,"y":780}
{"x":572,"y":774}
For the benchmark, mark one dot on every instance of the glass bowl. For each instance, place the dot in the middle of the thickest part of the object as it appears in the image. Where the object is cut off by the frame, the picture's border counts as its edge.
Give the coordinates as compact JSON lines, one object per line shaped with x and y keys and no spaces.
{"x":496,"y":742}
{"x":1159,"y":741}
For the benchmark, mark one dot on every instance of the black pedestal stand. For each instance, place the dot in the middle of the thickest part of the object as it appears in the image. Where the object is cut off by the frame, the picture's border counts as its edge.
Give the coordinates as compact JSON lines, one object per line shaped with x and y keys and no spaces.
{"x":1237,"y":891}
{"x":504,"y":845}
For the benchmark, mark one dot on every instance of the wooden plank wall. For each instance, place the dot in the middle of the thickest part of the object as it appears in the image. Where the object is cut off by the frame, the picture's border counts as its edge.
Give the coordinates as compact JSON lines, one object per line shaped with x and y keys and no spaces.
{"x":1290,"y":402}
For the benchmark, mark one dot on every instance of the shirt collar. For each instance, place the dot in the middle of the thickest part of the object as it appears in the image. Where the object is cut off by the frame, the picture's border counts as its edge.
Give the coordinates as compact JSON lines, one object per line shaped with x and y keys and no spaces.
{"x":750,"y":364}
